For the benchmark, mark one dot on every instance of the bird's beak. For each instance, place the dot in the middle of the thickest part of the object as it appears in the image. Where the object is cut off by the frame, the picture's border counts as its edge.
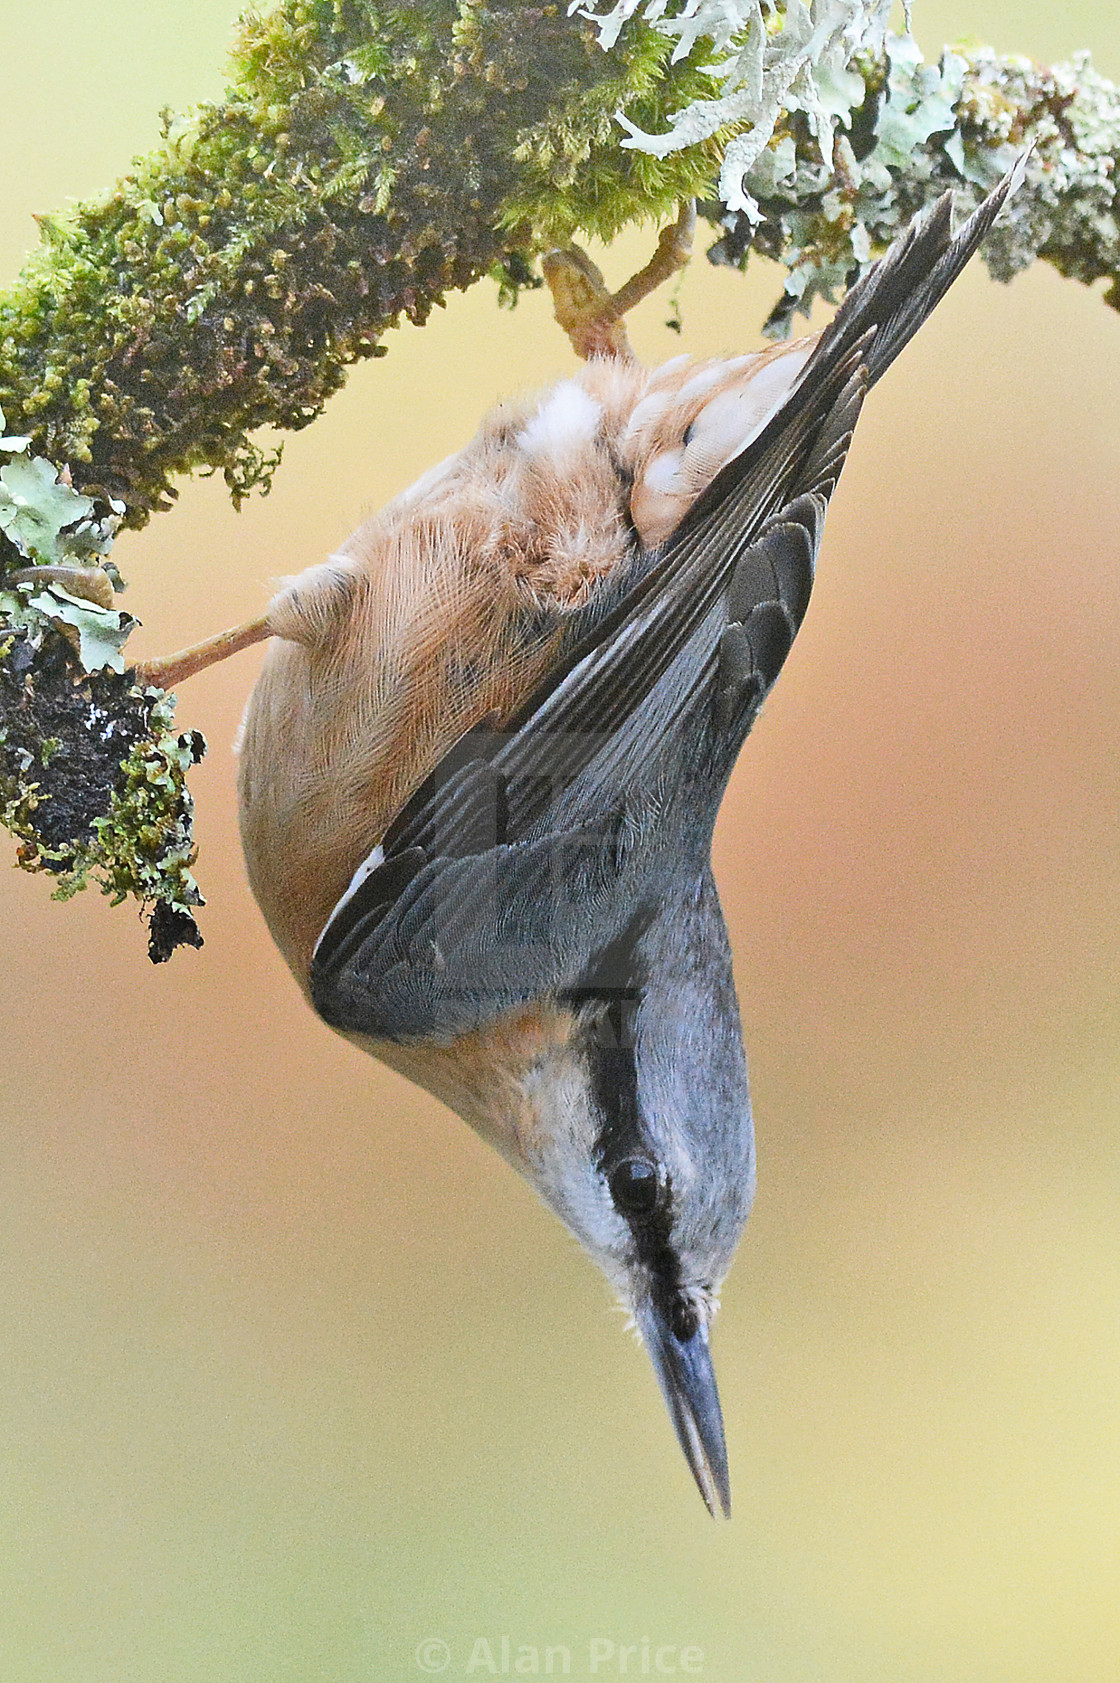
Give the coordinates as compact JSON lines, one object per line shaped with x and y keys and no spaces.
{"x":688,"y":1384}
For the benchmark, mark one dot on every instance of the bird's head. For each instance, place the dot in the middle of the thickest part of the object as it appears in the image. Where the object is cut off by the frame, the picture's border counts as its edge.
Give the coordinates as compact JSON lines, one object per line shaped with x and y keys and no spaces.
{"x":637,"y":1132}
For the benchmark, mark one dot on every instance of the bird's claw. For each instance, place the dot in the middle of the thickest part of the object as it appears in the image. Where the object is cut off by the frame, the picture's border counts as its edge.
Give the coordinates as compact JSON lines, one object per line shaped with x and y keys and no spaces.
{"x":591,"y":315}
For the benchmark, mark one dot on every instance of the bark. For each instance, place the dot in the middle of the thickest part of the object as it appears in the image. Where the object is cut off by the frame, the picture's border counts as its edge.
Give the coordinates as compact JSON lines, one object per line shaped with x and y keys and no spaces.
{"x":364,"y":164}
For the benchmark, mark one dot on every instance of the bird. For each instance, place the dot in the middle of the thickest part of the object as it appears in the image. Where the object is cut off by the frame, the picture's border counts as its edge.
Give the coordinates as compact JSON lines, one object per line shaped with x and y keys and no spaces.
{"x":480,"y":770}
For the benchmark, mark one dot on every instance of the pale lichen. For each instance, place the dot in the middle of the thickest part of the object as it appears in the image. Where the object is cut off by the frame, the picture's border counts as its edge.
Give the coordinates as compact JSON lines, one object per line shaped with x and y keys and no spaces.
{"x":367,"y":160}
{"x":921,"y":130}
{"x":93,"y":782}
{"x":92,"y":778}
{"x":795,"y":59}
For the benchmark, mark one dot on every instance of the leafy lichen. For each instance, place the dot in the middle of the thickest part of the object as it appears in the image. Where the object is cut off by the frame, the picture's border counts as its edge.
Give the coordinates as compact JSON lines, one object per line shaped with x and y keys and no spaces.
{"x":92,"y":778}
{"x":367,"y":159}
{"x":796,"y":59}
{"x":93,"y":782}
{"x":919,"y":130}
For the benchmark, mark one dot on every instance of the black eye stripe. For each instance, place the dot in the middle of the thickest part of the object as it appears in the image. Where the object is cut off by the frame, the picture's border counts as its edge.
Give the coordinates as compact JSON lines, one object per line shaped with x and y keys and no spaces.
{"x":609,"y":1000}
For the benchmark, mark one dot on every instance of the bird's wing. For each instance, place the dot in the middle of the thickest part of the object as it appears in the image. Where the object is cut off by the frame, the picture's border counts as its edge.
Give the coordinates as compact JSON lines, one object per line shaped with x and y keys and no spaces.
{"x":521,"y":856}
{"x":510,"y":867}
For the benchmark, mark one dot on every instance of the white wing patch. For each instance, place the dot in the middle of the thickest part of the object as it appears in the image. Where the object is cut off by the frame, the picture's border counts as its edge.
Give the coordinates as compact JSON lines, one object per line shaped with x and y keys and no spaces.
{"x":649,"y":410}
{"x":703,"y":381}
{"x":664,"y":473}
{"x":368,"y":865}
{"x":736,"y":415}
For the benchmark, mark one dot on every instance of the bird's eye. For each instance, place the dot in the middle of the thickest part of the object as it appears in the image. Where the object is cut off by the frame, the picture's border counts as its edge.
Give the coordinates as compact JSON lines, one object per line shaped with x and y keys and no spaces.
{"x":689,"y":434}
{"x":635,"y":1186}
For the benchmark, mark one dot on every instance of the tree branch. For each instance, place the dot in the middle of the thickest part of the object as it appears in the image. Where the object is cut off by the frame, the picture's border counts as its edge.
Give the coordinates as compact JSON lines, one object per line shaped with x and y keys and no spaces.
{"x":921,"y":130}
{"x":363,"y":165}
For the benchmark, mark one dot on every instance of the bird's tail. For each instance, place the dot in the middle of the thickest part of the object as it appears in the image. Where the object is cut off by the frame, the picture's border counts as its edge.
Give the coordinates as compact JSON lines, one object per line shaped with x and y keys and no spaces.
{"x":907,"y":284}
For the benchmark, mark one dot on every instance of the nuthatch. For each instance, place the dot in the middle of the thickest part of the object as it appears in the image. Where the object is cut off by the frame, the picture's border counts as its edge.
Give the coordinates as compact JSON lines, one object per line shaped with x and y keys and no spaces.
{"x":480,"y":771}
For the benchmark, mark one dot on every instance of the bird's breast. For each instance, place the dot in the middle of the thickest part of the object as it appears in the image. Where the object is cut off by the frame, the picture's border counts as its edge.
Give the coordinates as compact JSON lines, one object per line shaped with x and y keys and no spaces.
{"x":498,"y":1078}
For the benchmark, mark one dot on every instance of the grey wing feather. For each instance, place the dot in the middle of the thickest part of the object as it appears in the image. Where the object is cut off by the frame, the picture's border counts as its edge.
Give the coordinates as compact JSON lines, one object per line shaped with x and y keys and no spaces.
{"x":471,"y":938}
{"x":515,"y":865}
{"x":616,"y":706}
{"x":515,"y":861}
{"x":766,"y":602}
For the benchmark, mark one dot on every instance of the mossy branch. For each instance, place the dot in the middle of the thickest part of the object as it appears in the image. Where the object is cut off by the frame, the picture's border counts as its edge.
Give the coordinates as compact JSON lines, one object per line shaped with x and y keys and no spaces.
{"x":919,"y":130}
{"x":366,"y":161}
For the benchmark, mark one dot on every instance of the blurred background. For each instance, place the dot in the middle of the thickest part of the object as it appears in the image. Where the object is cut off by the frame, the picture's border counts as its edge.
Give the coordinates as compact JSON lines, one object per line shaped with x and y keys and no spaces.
{"x":296,"y":1376}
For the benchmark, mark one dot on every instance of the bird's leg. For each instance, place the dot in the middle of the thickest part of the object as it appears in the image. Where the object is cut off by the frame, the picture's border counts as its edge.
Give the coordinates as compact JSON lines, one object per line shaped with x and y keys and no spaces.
{"x":165,"y":674}
{"x":583,"y":306}
{"x":94,"y":584}
{"x":674,"y":248}
{"x":591,"y":316}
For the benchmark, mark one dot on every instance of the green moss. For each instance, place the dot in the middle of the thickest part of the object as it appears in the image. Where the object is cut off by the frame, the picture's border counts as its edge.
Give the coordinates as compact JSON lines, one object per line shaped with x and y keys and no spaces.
{"x":93,"y":783}
{"x":366,"y":161}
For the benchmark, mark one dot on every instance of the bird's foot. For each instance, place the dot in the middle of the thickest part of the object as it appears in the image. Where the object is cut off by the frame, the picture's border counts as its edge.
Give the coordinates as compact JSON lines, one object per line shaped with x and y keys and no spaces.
{"x":592,"y":316}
